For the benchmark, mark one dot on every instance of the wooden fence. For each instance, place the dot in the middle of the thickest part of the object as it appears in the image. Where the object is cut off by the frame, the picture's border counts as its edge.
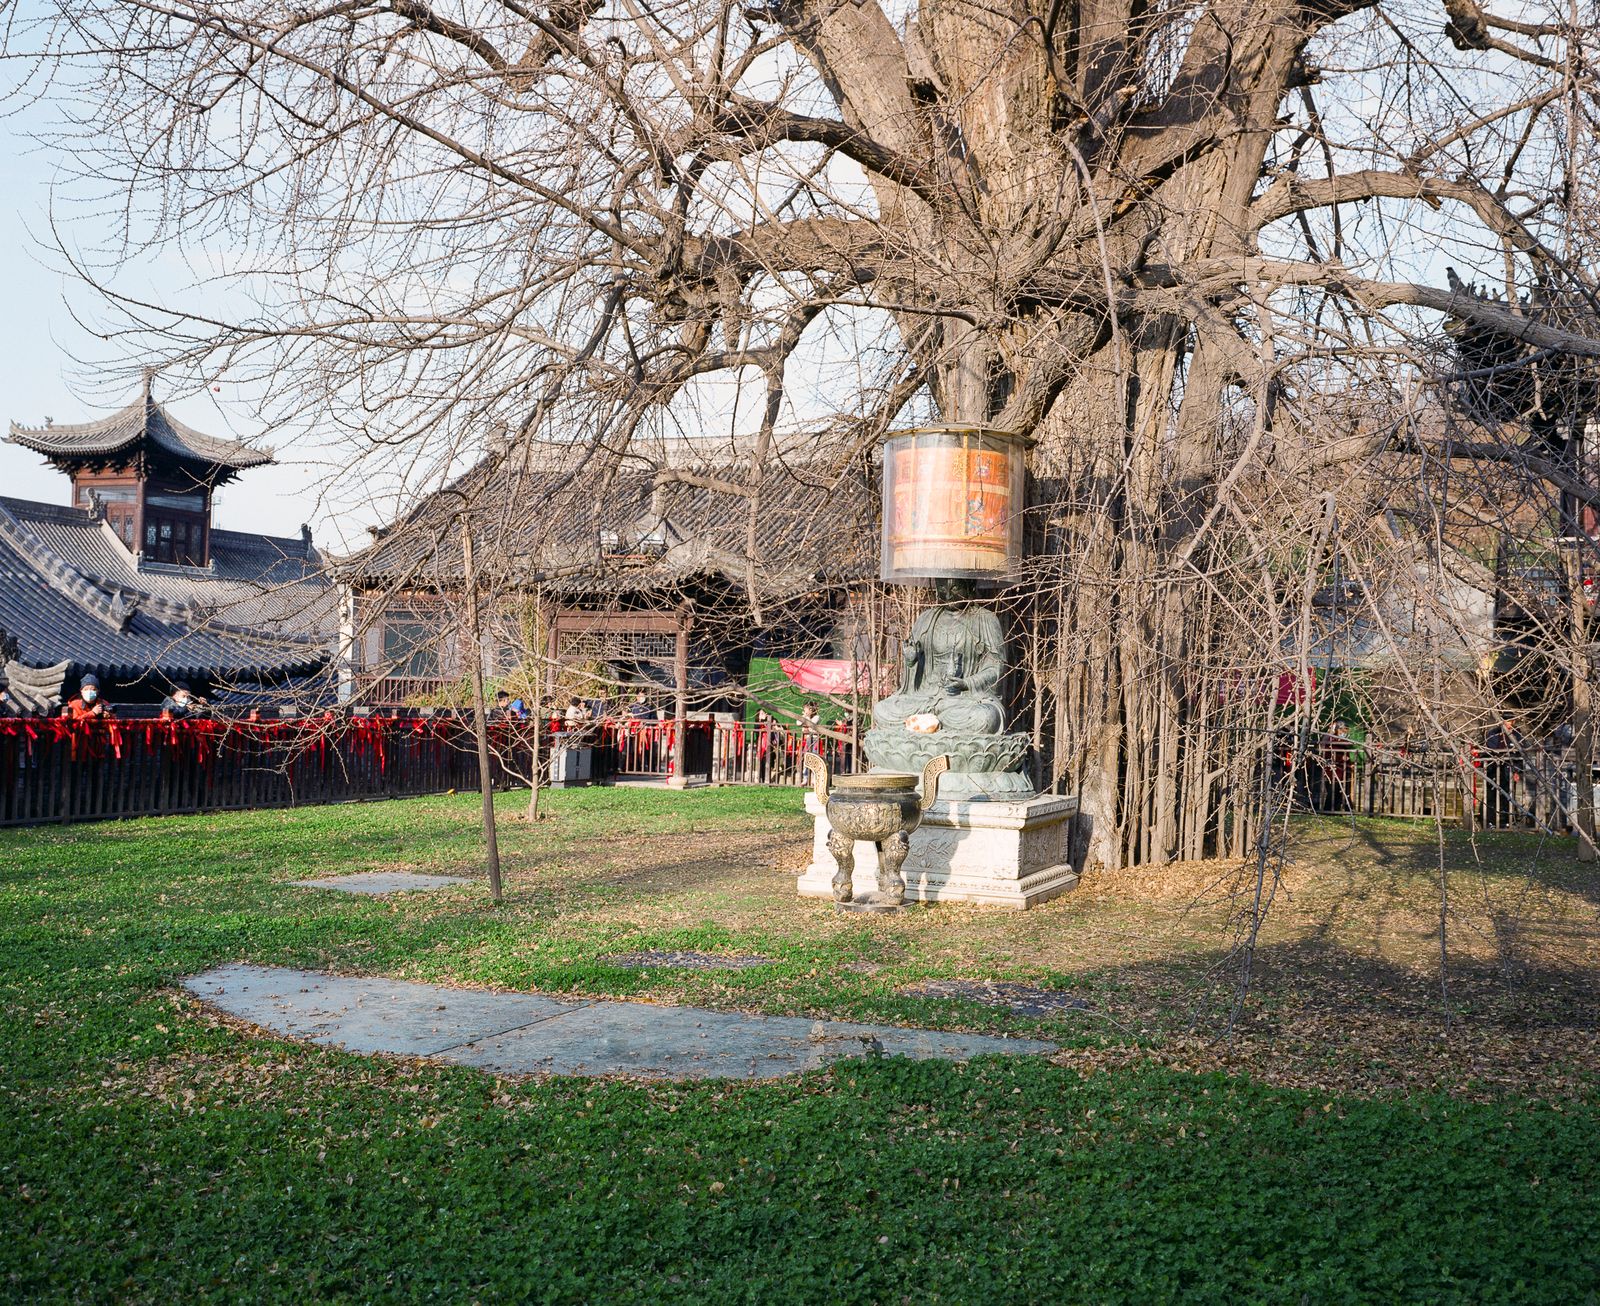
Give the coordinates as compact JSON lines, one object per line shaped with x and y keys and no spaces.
{"x":56,"y":770}
{"x":771,"y":755}
{"x":1530,"y":788}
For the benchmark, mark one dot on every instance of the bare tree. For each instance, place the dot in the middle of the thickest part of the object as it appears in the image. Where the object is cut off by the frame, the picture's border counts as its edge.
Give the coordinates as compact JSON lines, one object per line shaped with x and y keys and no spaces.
{"x":1197,"y":248}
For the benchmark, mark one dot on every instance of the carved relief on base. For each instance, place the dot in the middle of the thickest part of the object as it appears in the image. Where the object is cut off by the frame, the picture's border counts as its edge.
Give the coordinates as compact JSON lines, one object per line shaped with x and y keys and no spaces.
{"x":997,"y":854}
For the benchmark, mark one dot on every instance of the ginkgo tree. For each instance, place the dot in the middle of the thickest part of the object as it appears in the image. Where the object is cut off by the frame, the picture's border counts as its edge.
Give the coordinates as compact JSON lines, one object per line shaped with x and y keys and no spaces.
{"x":1197,"y":248}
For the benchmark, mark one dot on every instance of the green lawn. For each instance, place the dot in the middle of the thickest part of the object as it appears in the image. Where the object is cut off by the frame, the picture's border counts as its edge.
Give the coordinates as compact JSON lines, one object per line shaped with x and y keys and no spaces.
{"x":152,"y":1151}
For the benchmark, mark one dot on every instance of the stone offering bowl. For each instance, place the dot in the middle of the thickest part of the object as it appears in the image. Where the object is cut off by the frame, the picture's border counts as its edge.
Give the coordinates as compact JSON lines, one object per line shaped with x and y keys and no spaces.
{"x":884,"y":808}
{"x":874,"y":806}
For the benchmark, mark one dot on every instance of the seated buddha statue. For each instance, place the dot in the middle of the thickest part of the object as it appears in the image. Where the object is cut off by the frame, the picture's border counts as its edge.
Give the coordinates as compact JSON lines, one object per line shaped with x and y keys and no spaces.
{"x":951,"y":667}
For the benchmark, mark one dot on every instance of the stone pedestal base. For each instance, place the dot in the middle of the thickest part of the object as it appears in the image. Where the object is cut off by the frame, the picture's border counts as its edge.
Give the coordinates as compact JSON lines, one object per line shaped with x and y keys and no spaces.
{"x":1000,"y":854}
{"x":872,"y":904}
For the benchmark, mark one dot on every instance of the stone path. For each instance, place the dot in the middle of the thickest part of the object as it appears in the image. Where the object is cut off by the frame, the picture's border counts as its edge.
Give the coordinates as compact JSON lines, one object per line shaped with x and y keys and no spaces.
{"x":381,"y":882}
{"x":683,"y":960}
{"x":521,"y":1033}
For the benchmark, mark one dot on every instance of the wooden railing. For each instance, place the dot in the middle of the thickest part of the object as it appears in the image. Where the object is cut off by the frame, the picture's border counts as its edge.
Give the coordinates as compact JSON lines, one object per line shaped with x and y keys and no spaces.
{"x":1487,"y":789}
{"x":715,"y":752}
{"x":771,"y":754}
{"x":57,"y":770}
{"x":391,"y":691}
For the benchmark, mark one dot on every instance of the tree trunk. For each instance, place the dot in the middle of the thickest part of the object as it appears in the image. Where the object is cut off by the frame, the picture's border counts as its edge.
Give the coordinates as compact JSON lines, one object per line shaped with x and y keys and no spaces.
{"x":1583,"y":723}
{"x":480,"y":725}
{"x":1155,"y":745}
{"x":535,"y":710}
{"x":680,"y":703}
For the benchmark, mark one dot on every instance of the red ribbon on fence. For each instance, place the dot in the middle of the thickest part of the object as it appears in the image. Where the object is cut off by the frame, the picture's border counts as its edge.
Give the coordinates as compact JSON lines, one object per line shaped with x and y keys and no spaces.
{"x":307,"y":747}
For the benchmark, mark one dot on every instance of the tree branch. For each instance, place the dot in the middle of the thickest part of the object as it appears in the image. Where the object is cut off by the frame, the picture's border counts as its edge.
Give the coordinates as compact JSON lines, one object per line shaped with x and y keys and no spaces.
{"x":763,"y":125}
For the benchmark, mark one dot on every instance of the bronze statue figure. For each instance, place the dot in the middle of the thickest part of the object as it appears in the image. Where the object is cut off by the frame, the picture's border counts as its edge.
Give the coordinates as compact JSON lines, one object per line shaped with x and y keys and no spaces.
{"x":951,"y":668}
{"x":948,"y":702}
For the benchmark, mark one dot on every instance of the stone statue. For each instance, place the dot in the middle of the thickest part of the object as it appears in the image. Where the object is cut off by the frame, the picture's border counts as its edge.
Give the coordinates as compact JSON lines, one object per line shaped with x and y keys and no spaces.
{"x":950,"y":668}
{"x":948,"y":702}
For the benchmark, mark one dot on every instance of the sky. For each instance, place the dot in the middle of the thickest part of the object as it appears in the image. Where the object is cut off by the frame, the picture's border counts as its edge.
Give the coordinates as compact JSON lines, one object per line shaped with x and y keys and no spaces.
{"x":53,"y":363}
{"x":48,"y":357}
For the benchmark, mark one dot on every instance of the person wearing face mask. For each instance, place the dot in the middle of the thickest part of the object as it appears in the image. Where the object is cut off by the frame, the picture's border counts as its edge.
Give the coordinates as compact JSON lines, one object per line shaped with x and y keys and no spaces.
{"x":88,"y":704}
{"x":180,"y":703}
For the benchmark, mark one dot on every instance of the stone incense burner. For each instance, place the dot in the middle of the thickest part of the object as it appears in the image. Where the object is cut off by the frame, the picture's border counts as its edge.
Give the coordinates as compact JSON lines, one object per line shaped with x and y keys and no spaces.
{"x":882,"y":807}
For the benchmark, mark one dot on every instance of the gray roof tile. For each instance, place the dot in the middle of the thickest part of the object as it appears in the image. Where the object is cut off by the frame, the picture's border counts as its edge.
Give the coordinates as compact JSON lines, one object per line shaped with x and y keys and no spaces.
{"x":254,"y":580}
{"x":127,"y":628}
{"x":814,"y":524}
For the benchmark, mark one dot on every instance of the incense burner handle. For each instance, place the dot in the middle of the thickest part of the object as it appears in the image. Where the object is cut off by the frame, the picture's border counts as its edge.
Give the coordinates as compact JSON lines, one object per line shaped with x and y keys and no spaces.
{"x":816,"y":766}
{"x":935,"y":768}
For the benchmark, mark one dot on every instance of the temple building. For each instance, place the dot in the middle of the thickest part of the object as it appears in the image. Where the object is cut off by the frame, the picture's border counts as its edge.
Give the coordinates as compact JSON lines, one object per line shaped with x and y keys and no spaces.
{"x":134,"y":583}
{"x":638,"y":567}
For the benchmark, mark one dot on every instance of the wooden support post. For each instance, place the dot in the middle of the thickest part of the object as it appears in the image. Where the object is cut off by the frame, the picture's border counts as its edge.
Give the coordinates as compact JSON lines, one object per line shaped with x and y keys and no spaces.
{"x":480,"y":725}
{"x":541,"y":623}
{"x":680,"y":677}
{"x":855,"y":690}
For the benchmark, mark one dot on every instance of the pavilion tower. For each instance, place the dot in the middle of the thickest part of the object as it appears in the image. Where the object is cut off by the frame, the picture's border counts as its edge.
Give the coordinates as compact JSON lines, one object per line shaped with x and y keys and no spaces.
{"x":151,"y":475}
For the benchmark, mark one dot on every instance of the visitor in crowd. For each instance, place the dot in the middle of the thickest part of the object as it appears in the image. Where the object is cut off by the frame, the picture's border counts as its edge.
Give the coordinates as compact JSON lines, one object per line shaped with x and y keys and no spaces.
{"x":810,"y":718}
{"x":181,"y":703}
{"x":510,"y":709}
{"x":88,"y":704}
{"x":577,"y":713}
{"x":640,"y":709}
{"x":760,"y":739}
{"x":1504,"y":796}
{"x":1505,"y":737}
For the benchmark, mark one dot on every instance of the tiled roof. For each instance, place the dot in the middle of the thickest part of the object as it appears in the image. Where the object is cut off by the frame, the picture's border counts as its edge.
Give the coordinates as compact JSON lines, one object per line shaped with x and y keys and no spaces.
{"x":253,"y":580}
{"x":33,"y":689}
{"x":141,"y":421}
{"x":54,"y":611}
{"x":575,"y":527}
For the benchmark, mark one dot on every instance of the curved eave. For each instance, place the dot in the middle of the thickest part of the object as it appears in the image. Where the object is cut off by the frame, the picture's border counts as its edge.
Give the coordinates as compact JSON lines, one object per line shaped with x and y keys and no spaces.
{"x":130,"y":673}
{"x":138,"y":424}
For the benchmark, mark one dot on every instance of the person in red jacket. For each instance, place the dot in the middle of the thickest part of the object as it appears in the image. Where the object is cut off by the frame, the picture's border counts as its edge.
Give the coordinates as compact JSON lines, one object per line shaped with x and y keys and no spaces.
{"x":88,"y":705}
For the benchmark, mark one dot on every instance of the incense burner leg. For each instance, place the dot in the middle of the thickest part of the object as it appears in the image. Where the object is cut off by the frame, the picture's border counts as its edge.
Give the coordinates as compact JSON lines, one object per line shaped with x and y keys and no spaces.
{"x":843,"y":848}
{"x":891,"y":857}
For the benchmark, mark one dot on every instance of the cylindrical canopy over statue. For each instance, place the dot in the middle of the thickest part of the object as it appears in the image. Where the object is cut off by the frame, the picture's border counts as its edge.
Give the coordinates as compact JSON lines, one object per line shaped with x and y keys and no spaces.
{"x":952,"y":503}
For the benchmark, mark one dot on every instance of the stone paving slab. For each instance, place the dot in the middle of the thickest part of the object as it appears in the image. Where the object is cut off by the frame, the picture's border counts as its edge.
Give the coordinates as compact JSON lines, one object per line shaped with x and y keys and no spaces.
{"x":1024,"y":999}
{"x":521,"y":1033}
{"x":368,"y":1015}
{"x":382,"y":882}
{"x":683,"y":960}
